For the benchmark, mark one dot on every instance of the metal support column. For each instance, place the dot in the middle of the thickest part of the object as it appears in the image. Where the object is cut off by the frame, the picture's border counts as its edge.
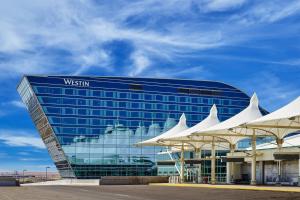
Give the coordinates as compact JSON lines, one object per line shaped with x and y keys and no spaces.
{"x":182,"y":164}
{"x":199,"y":156}
{"x":253,"y":163}
{"x":299,"y":171}
{"x":230,"y":167}
{"x":279,"y":147}
{"x":213,"y":162}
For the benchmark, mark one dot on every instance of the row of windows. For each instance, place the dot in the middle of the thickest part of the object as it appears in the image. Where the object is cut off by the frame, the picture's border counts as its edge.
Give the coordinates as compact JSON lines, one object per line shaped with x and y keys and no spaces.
{"x":127,"y":113}
{"x":142,"y":118}
{"x":129,"y":105}
{"x":139,"y":96}
{"x":72,"y":131}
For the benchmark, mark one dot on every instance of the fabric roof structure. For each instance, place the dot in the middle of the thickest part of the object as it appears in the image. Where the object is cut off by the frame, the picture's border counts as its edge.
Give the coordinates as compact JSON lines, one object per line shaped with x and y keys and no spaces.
{"x":180,"y":126}
{"x":211,"y":120}
{"x":292,"y":141}
{"x":280,"y":122}
{"x":195,"y":141}
{"x":232,"y":129}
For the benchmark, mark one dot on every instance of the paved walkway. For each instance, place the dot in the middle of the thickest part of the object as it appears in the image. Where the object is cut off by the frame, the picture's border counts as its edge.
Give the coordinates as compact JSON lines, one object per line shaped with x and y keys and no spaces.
{"x":233,"y":187}
{"x":68,"y":182}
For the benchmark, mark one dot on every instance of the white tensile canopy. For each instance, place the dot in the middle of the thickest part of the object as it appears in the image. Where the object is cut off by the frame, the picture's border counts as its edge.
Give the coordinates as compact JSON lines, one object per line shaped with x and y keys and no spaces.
{"x":196,"y":143}
{"x":209,"y":121}
{"x":180,"y":126}
{"x":292,"y":141}
{"x":232,"y":129}
{"x":280,"y":122}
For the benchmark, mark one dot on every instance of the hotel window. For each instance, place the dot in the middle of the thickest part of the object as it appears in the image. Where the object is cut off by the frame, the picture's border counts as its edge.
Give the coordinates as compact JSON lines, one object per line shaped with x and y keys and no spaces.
{"x":122,"y":114}
{"x":158,"y":98}
{"x":172,"y":107}
{"x":82,"y":102}
{"x":148,"y":115}
{"x":159,"y":106}
{"x":54,"y":90}
{"x":159,"y":115}
{"x":69,"y":130}
{"x":194,"y":100}
{"x":69,"y":111}
{"x":97,"y":93}
{"x":109,"y":104}
{"x":225,"y":102}
{"x":135,"y":114}
{"x":69,"y":120}
{"x":82,"y":92}
{"x":96,"y":112}
{"x":172,"y":98}
{"x":82,"y":121}
{"x":204,"y":100}
{"x":69,"y":91}
{"x":82,"y":112}
{"x":55,"y":120}
{"x":184,"y":108}
{"x":149,"y":97}
{"x":123,"y":95}
{"x":205,"y":109}
{"x":109,"y":94}
{"x":96,"y":103}
{"x":148,"y":106}
{"x":53,"y":110}
{"x":69,"y":101}
{"x":135,"y":96}
{"x":83,"y":131}
{"x":122,"y":104}
{"x":135,"y":105}
{"x":96,"y":122}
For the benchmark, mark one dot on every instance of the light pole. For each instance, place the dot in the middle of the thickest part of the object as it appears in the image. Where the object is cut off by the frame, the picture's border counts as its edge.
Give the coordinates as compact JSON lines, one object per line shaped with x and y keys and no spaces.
{"x":47,"y":172}
{"x":24,"y":170}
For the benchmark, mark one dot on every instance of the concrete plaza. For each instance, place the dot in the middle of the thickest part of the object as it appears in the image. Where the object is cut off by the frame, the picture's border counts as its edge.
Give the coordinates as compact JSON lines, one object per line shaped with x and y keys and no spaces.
{"x":136,"y":192}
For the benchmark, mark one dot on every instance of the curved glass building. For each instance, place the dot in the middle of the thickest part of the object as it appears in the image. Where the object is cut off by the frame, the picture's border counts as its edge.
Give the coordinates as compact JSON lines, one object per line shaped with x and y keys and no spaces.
{"x":90,"y":124}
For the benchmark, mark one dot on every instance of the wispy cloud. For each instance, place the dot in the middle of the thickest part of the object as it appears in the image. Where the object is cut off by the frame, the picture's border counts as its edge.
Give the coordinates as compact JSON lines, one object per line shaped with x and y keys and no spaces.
{"x":19,"y":138}
{"x":18,"y":104}
{"x":272,"y":91}
{"x":223,"y":5}
{"x":140,"y":64}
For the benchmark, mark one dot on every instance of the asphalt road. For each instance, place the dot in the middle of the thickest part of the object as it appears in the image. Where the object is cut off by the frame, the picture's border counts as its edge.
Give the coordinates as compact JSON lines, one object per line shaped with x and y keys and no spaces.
{"x":136,"y":193}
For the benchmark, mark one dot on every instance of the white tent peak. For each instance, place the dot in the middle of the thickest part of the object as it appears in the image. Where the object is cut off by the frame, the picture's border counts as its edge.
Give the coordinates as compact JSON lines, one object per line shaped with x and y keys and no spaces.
{"x":155,"y":141}
{"x":213,"y":111}
{"x":281,"y":122}
{"x":211,"y":120}
{"x":233,"y":125}
{"x":254,"y":100}
{"x":182,"y":120}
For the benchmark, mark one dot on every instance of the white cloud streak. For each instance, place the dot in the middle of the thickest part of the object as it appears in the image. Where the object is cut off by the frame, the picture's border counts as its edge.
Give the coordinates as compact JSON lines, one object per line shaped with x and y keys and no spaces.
{"x":18,"y":104}
{"x":81,"y":30}
{"x":20,"y":139}
{"x":272,"y":91}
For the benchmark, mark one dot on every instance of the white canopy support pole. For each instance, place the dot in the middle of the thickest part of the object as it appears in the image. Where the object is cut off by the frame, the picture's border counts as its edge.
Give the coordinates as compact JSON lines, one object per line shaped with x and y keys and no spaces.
{"x":182,"y":164}
{"x":299,"y":171}
{"x":198,"y":151}
{"x":279,"y":147}
{"x":230,"y":166}
{"x":253,"y":164}
{"x":213,"y":162}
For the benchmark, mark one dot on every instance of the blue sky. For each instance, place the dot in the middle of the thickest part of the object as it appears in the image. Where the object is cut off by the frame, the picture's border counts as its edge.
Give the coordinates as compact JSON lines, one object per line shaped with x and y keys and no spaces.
{"x":253,"y":45}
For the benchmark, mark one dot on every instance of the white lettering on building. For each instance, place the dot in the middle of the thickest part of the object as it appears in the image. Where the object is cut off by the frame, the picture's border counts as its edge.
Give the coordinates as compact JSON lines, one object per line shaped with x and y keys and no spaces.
{"x":78,"y":83}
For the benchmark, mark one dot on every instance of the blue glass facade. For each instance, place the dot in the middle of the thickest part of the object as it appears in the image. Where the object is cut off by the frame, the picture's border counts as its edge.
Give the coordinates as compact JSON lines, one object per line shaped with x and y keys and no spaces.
{"x":90,"y":124}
